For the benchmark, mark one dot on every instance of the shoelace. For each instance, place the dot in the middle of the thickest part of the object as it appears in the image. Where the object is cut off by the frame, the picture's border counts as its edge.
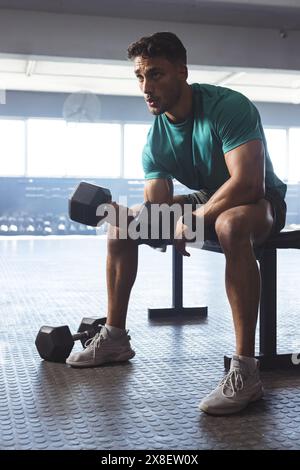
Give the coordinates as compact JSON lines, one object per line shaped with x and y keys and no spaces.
{"x":233,"y":382}
{"x":95,"y":341}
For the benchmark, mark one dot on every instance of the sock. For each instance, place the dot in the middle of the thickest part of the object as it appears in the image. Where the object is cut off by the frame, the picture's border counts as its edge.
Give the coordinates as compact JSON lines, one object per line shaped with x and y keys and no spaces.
{"x":114,"y":331}
{"x":249,"y":361}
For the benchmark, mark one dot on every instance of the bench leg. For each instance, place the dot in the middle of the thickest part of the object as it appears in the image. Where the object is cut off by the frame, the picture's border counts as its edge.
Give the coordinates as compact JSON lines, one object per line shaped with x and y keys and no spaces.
{"x":268,"y":357}
{"x":177,"y":310}
{"x":268,"y":304}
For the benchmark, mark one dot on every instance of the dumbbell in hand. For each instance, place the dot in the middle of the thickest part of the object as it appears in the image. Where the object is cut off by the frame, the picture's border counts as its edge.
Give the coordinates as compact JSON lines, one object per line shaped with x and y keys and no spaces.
{"x":88,"y":197}
{"x":55,"y":343}
{"x":84,"y":202}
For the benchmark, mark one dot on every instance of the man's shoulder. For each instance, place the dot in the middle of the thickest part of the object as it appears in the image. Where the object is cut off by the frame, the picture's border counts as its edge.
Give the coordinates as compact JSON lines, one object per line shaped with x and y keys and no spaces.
{"x":216,"y":93}
{"x":216,"y":102}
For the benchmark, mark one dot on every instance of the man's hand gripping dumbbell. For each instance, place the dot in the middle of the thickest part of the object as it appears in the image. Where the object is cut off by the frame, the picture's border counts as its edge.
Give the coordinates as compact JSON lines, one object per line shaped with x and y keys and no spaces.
{"x":92,"y":205}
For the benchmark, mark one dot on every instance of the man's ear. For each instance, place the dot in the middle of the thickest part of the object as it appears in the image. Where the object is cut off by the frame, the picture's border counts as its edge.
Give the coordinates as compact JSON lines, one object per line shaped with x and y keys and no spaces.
{"x":183,"y":71}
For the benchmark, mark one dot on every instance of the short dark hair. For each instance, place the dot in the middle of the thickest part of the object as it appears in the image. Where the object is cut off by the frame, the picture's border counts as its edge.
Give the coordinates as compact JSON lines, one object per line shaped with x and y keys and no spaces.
{"x":163,"y":44}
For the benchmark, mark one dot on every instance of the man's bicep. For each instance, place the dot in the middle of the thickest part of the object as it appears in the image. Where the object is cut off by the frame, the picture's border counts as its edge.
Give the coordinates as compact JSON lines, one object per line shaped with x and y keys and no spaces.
{"x":159,"y":190}
{"x":238,"y":122}
{"x":246,"y":164}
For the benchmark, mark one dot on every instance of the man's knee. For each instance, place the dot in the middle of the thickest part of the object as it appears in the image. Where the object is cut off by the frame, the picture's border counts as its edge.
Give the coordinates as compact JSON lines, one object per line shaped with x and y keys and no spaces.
{"x":116,"y":244}
{"x":232,"y":229}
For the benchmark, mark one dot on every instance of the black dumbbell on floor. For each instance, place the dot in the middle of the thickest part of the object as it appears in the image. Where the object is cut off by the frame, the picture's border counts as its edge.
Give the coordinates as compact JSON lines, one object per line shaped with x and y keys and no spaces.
{"x":55,"y":343}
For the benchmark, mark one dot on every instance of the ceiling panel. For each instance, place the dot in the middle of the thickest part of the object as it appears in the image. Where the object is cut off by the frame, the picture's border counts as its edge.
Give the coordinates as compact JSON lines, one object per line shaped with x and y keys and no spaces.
{"x":13,"y":65}
{"x":207,"y":76}
{"x":84,"y":69}
{"x":254,"y":13}
{"x":270,"y":94}
{"x":117,"y":78}
{"x":270,"y":78}
{"x":65,"y":84}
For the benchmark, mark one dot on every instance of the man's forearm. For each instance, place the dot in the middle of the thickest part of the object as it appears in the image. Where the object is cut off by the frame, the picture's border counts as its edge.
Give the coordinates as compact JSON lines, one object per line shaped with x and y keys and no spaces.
{"x":231,"y":194}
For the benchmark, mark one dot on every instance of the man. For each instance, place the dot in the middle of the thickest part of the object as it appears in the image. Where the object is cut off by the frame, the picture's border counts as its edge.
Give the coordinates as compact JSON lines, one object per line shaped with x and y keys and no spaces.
{"x":210,"y":139}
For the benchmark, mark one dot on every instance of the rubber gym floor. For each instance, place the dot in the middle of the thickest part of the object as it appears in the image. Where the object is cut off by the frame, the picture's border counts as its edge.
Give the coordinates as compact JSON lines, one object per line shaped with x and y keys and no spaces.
{"x":150,"y":402}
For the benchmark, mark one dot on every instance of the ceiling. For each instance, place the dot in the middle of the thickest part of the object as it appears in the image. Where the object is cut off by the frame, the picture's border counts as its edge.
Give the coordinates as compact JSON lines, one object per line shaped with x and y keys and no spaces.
{"x":117,"y":78}
{"x":282,"y":14}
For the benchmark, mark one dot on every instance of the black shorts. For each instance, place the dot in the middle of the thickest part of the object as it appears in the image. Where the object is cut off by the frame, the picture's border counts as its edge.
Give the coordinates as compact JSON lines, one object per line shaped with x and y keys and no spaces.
{"x":272,"y":195}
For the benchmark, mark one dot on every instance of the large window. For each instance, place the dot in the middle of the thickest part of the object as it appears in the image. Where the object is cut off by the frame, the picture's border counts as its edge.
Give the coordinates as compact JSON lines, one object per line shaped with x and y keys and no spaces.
{"x":135,"y":136}
{"x":12,"y":147}
{"x":53,"y":148}
{"x":93,"y":150}
{"x":56,"y":148}
{"x":278,"y":150}
{"x":46,"y":147}
{"x":284,"y":150}
{"x":294,"y":155}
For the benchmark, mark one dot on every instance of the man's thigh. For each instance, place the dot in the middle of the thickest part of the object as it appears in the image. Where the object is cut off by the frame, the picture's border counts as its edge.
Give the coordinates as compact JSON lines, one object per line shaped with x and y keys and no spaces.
{"x":250,"y":220}
{"x":273,"y":207}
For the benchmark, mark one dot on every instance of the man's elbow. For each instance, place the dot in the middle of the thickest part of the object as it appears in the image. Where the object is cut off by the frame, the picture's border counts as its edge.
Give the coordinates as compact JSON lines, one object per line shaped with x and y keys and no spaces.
{"x":251,"y":191}
{"x":257,"y":192}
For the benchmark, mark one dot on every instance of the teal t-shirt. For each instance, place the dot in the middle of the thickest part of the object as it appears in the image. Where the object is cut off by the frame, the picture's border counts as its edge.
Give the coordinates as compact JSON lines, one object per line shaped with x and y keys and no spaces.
{"x":193,"y":151}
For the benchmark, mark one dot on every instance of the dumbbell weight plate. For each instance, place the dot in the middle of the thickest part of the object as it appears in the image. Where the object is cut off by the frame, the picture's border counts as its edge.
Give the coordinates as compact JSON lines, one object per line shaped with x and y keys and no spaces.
{"x":85,"y":201}
{"x":54,"y":343}
{"x":90,"y":324}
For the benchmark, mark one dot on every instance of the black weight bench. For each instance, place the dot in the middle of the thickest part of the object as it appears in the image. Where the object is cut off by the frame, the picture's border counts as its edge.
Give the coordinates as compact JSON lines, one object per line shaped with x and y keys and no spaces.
{"x":266,"y":254}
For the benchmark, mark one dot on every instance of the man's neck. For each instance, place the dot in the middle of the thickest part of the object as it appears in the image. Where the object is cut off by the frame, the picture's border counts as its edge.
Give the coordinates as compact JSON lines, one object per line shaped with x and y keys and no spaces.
{"x":183,"y":108}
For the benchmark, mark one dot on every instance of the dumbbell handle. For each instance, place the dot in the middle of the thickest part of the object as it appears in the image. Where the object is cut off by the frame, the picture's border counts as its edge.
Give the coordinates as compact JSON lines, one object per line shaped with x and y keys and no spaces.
{"x":84,"y":335}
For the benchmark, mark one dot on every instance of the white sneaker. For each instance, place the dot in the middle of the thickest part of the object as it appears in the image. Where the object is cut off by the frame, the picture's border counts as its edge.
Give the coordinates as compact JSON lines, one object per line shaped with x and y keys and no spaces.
{"x":103,"y":349}
{"x":240,"y":386}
